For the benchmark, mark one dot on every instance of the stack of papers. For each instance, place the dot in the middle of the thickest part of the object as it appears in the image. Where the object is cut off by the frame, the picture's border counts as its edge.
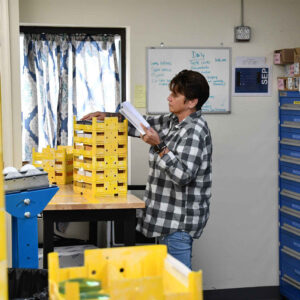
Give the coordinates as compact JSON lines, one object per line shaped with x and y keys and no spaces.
{"x":133,"y":116}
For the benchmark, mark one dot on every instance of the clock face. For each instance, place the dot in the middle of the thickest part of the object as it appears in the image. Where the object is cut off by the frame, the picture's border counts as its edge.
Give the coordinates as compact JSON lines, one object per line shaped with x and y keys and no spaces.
{"x":242,"y":33}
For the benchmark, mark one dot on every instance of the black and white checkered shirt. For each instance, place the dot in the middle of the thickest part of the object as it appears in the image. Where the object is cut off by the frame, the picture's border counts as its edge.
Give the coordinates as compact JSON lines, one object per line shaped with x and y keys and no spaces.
{"x":178,"y":190}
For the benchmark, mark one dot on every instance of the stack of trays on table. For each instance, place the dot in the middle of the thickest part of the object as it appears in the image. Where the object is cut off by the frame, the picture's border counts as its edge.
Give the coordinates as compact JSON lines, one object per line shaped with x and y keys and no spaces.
{"x":58,"y":163}
{"x":100,"y":157}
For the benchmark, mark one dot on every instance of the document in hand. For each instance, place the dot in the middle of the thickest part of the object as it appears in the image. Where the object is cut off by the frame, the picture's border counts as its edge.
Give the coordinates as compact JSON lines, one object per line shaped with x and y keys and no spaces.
{"x":133,"y":116}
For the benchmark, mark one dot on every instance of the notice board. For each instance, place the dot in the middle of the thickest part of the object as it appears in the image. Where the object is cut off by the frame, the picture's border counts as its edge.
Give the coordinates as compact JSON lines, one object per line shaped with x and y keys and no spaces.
{"x":252,"y":81}
{"x":164,"y":63}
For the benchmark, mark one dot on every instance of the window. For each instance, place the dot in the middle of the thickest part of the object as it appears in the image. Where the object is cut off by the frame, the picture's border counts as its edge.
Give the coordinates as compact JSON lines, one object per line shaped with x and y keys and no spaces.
{"x":67,"y":72}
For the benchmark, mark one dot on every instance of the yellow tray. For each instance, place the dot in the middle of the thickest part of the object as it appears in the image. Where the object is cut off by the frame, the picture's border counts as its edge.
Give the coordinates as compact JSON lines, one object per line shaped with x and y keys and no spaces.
{"x":100,"y":189}
{"x":108,"y":174}
{"x":109,"y":124}
{"x":102,"y":162}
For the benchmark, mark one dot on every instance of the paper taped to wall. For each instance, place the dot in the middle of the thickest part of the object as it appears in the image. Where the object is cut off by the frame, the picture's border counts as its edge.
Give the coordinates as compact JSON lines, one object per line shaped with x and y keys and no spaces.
{"x":133,"y":116}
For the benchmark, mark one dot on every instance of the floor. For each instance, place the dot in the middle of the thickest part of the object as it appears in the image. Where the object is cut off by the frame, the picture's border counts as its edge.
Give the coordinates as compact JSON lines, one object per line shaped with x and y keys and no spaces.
{"x":258,"y":293}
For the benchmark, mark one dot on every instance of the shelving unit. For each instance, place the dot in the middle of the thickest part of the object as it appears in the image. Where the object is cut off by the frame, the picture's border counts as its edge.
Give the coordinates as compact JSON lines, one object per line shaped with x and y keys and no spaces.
{"x":100,"y":157}
{"x":289,"y":172}
{"x":289,"y":193}
{"x":290,"y":59}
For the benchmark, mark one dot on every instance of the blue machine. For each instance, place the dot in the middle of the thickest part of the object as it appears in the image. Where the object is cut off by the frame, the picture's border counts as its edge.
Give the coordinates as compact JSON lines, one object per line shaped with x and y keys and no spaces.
{"x":24,"y":207}
{"x":289,"y":194}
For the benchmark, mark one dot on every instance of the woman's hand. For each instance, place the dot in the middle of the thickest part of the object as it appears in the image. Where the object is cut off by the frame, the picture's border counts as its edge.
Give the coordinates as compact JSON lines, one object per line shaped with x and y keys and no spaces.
{"x":98,"y":114}
{"x":150,"y":137}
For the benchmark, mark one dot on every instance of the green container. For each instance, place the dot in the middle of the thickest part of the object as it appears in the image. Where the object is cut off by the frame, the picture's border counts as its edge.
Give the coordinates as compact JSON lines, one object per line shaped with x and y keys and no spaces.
{"x":93,"y":295}
{"x":86,"y":285}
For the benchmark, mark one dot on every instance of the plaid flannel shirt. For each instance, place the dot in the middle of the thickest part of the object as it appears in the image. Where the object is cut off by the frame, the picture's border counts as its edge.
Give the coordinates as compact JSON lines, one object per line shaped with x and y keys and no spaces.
{"x":178,"y":190}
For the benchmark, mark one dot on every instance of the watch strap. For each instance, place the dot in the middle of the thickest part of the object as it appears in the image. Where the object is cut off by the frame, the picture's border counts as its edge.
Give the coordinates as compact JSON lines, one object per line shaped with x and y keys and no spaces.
{"x":160,"y":147}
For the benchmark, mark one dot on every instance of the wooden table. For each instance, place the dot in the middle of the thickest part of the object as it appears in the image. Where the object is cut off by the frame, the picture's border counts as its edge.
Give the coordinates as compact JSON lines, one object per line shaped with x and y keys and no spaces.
{"x":67,"y":206}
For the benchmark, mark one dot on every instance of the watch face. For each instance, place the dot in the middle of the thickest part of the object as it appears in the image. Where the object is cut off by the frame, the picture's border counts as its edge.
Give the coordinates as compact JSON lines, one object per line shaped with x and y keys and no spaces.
{"x":158,"y":148}
{"x":242,"y":33}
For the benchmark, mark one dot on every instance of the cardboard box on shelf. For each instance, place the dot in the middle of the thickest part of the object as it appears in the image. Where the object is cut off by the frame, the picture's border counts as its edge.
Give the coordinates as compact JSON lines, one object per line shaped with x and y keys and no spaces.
{"x":297,"y":68}
{"x":289,"y":70}
{"x":296,"y":83}
{"x":281,"y":83}
{"x":276,"y":58}
{"x":284,"y":56}
{"x":290,"y":83}
{"x":297,"y":55}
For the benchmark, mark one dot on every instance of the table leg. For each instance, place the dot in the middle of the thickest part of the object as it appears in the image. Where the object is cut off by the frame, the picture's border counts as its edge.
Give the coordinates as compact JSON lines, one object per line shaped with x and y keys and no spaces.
{"x":93,"y":233}
{"x":25,"y":243}
{"x":48,"y":237}
{"x":129,"y":228}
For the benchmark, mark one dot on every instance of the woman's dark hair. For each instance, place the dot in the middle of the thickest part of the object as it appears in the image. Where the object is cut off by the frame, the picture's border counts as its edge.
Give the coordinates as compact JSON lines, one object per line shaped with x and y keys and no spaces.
{"x":192,"y":85}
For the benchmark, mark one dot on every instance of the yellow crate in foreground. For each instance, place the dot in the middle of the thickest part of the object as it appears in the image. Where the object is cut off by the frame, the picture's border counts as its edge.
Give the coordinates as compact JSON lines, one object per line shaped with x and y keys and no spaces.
{"x":3,"y":263}
{"x":3,"y":258}
{"x":129,"y":273}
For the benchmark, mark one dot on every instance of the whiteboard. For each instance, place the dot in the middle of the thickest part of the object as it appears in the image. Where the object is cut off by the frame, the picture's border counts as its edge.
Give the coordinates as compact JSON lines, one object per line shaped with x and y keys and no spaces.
{"x":164,"y":63}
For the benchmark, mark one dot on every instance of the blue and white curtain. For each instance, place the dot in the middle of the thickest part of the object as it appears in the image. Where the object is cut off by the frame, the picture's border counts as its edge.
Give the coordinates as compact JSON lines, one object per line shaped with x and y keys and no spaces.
{"x":65,"y":75}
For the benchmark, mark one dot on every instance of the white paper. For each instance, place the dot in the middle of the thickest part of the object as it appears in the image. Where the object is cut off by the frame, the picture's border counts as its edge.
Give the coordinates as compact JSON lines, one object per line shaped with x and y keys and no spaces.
{"x":133,"y":116}
{"x":252,"y":61}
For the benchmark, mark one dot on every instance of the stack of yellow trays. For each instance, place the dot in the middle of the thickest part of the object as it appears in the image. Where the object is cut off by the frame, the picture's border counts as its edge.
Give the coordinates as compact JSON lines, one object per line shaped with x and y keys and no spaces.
{"x":100,"y":157}
{"x":58,"y":163}
{"x":126,"y":273}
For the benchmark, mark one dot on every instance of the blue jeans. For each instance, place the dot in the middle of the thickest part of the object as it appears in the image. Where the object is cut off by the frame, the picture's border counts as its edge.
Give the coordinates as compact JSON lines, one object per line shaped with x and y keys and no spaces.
{"x":179,"y":245}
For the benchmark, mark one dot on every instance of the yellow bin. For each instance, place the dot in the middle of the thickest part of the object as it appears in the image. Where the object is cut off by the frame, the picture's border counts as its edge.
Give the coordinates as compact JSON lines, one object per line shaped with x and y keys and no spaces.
{"x":3,"y":258}
{"x":130,"y":273}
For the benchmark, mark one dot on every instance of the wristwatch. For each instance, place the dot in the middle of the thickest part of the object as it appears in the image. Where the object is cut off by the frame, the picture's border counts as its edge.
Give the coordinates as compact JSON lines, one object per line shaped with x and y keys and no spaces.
{"x":160,"y":147}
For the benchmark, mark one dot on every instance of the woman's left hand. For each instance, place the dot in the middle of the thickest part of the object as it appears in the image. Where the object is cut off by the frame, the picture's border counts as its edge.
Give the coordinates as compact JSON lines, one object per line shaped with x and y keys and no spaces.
{"x":150,"y":137}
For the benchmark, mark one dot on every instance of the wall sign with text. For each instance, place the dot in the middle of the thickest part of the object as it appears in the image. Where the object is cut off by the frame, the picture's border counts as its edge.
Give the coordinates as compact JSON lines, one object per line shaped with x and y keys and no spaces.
{"x":252,"y":81}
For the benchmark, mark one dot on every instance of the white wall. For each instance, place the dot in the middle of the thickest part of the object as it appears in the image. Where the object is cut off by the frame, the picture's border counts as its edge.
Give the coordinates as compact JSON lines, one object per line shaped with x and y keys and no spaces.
{"x":239,"y":245}
{"x":9,"y":65}
{"x":10,"y":88}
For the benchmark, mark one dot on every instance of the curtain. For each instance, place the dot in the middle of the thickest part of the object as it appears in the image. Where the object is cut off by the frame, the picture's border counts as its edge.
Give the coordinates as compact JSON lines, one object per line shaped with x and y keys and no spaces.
{"x":65,"y":75}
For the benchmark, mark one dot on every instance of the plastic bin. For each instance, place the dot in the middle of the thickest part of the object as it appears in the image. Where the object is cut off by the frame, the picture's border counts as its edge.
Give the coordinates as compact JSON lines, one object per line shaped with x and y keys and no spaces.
{"x":140,"y":272}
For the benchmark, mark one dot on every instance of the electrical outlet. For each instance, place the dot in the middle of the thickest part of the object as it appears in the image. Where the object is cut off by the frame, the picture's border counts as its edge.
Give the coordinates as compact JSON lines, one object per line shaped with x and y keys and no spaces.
{"x":242,"y":33}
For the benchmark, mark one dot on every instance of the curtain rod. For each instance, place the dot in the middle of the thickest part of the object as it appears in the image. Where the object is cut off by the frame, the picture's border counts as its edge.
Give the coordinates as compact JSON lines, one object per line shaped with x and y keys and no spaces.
{"x":88,"y":30}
